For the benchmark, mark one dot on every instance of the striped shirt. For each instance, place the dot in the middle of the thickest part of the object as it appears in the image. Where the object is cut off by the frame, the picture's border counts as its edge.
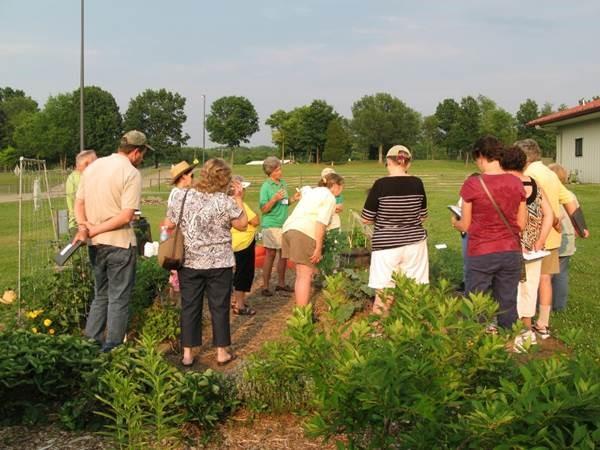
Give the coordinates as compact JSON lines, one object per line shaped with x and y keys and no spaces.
{"x":397,"y":205}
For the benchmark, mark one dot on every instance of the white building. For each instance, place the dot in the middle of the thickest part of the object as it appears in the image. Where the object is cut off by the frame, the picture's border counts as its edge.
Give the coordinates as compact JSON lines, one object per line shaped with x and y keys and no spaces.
{"x":577,"y":139}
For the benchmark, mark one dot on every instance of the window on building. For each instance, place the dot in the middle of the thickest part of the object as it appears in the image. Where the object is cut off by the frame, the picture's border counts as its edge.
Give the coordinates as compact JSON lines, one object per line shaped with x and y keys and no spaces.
{"x":579,"y":147}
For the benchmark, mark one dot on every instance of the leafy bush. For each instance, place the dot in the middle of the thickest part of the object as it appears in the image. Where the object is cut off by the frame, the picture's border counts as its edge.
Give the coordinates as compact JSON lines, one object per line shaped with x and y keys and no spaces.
{"x":150,"y":280}
{"x":207,"y":397}
{"x":63,"y":296}
{"x":162,"y":322}
{"x":428,"y":376}
{"x":274,"y":380}
{"x":38,"y":369}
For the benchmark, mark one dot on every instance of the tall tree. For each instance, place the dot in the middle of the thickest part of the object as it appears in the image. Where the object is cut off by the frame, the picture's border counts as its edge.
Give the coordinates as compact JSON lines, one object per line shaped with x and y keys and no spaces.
{"x":14,"y":106}
{"x":546,"y":138}
{"x":337,"y":146}
{"x":528,"y":110}
{"x":381,"y":120}
{"x":160,"y":115}
{"x":496,"y":121}
{"x":232,"y":120}
{"x":278,"y":121}
{"x":316,"y":119}
{"x":468,"y":126}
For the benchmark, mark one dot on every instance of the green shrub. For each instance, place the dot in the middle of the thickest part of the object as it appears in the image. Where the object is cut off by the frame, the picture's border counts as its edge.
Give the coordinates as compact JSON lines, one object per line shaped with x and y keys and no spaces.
{"x":63,"y":296}
{"x":428,"y":376}
{"x":162,"y":322}
{"x":206,"y":398}
{"x":150,"y":280}
{"x":37,"y":370}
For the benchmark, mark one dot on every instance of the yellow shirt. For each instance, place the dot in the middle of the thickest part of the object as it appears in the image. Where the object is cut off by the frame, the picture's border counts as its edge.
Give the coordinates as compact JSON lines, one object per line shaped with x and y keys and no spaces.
{"x":555,"y":192}
{"x":241,"y":240}
{"x":107,"y":187}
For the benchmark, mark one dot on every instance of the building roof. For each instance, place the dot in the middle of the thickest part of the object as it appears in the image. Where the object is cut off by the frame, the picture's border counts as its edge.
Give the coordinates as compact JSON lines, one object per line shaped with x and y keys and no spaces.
{"x":570,"y":113}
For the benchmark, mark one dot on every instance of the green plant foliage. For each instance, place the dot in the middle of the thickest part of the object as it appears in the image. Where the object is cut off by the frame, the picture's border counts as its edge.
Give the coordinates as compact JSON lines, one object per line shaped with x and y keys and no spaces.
{"x":61,"y":296}
{"x":341,"y":307}
{"x":273,"y":380}
{"x":336,"y":242}
{"x":37,"y":369}
{"x":150,"y":280}
{"x":428,"y":376}
{"x":162,"y":322}
{"x":145,"y":389}
{"x":206,"y":397}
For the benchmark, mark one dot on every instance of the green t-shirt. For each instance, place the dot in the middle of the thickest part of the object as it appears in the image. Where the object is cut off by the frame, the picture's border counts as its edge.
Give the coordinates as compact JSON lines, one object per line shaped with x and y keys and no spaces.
{"x":71,"y":189}
{"x":279,"y":212}
{"x":339,"y":199}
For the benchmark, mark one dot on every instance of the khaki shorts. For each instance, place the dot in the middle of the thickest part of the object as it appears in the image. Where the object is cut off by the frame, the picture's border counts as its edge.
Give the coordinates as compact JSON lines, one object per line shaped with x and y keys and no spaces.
{"x":271,"y":238}
{"x":550,"y":263}
{"x":298,"y":247}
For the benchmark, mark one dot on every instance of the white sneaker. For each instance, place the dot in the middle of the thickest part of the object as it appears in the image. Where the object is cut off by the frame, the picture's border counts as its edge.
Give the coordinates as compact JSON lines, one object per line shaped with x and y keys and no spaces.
{"x":524,"y":341}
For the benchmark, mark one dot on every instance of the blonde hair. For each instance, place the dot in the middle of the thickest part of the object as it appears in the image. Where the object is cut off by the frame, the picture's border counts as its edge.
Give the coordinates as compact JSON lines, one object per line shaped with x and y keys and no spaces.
{"x":215,"y":176}
{"x":559,"y":170}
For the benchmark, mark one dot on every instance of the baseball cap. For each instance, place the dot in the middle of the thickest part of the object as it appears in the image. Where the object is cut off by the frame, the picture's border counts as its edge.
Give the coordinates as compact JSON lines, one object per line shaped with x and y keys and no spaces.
{"x":326,"y":171}
{"x":396,"y":150}
{"x":136,"y":138}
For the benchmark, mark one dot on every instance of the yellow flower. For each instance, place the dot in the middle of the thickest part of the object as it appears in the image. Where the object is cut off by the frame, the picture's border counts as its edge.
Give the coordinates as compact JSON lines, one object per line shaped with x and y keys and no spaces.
{"x":34,"y":330}
{"x":30,"y":315}
{"x":51,"y":331}
{"x":47,"y":323}
{"x":33,"y":314}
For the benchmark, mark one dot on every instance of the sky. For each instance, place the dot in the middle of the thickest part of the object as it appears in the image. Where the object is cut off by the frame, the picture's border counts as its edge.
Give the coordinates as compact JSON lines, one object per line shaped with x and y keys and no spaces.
{"x":284,"y":54}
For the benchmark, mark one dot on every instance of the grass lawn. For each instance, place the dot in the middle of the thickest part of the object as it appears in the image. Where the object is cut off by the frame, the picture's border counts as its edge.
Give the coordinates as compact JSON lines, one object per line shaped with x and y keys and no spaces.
{"x":442,"y":181}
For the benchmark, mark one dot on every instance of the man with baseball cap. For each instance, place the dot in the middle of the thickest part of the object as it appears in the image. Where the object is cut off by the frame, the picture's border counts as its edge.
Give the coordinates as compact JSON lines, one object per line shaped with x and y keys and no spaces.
{"x":108,"y":194}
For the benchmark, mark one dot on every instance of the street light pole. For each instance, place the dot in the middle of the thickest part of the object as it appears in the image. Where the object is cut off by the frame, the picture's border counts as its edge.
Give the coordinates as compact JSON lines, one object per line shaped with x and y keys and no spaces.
{"x":203,"y":126}
{"x":81,"y":136}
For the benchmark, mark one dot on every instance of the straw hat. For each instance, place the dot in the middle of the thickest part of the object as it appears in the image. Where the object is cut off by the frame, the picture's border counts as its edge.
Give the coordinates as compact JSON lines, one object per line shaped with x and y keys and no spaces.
{"x":179,"y":169}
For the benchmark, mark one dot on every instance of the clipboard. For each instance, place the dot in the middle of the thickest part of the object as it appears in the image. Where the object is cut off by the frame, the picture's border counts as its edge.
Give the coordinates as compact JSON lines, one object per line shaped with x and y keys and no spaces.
{"x":63,"y":256}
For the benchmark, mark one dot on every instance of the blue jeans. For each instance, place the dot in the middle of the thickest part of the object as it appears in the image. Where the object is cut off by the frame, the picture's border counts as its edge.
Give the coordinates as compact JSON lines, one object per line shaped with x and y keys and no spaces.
{"x":497,"y":274}
{"x":560,"y":285}
{"x":114,"y":273}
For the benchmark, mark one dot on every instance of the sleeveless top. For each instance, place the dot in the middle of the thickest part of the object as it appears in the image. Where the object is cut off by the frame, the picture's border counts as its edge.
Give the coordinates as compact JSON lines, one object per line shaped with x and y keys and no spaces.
{"x":532,"y":230}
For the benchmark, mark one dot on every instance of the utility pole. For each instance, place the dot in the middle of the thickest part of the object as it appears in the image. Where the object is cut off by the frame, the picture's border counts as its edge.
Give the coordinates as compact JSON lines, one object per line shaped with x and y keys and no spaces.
{"x":203,"y":126}
{"x":81,"y":136}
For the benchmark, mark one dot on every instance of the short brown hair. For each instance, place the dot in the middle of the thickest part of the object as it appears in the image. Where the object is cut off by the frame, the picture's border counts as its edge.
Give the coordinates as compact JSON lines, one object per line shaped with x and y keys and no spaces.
{"x":531,"y":148}
{"x":215,"y":176}
{"x":330,"y":179}
{"x":488,"y":147}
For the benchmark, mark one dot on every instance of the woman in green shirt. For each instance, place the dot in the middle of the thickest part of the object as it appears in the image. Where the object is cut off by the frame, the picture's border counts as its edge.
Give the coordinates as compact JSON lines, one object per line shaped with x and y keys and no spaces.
{"x":274,"y":202}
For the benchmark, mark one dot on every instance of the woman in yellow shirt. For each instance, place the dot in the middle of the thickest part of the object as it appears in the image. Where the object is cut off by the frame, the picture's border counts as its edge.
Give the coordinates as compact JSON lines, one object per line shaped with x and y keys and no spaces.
{"x":243,"y":244}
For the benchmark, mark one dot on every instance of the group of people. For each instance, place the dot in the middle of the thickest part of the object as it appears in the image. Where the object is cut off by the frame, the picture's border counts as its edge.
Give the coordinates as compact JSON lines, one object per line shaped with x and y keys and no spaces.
{"x":219,"y":233}
{"x":512,"y":206}
{"x":517,"y":205}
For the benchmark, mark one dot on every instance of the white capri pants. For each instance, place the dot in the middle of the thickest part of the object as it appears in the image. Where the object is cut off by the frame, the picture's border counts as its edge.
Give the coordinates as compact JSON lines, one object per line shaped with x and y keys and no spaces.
{"x":528,"y":290}
{"x":410,"y":260}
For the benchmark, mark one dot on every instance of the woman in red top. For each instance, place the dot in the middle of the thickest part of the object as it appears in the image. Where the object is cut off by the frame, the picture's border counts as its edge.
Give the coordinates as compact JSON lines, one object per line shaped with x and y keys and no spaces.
{"x":493,"y":260}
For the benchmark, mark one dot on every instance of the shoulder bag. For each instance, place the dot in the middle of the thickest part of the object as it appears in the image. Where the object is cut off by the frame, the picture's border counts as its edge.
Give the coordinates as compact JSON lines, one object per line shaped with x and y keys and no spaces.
{"x":171,"y":250}
{"x":501,"y":214}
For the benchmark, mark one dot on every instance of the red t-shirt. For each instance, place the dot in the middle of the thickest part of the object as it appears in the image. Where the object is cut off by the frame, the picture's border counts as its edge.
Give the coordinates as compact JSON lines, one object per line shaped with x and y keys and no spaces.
{"x":487,"y":232}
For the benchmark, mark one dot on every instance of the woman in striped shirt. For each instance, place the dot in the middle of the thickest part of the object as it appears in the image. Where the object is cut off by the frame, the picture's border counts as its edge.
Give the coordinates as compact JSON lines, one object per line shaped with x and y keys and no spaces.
{"x":397,"y":206}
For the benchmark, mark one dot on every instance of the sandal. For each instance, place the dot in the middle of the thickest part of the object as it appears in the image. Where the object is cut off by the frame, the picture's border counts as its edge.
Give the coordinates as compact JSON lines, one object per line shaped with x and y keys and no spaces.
{"x":285,"y":288}
{"x":243,"y":311}
{"x":190,"y":364}
{"x":266,"y":293}
{"x":232,"y":357}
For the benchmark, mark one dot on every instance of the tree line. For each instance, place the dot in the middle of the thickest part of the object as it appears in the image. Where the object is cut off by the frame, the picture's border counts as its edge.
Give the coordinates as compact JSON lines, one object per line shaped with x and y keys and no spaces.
{"x":313,"y":132}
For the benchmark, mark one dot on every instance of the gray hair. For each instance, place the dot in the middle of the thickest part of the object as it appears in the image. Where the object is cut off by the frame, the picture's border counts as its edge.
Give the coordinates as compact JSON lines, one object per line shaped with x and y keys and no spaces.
{"x":270,"y":164}
{"x":83,"y":155}
{"x":531,"y":149}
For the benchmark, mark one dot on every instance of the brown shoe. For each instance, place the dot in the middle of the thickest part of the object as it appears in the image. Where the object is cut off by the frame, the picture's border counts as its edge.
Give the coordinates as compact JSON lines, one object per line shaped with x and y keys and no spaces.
{"x":266,"y":292}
